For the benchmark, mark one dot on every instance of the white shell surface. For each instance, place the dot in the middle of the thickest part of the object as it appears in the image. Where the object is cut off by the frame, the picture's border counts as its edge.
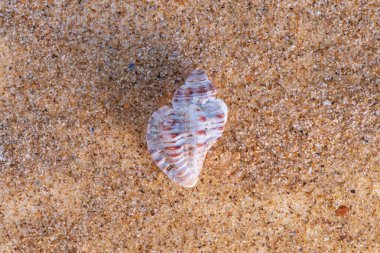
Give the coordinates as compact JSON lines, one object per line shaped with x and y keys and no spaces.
{"x":179,"y":138}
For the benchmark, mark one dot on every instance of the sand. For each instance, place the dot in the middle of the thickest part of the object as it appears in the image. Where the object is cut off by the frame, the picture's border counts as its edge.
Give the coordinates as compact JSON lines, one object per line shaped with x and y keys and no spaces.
{"x":297,"y":169}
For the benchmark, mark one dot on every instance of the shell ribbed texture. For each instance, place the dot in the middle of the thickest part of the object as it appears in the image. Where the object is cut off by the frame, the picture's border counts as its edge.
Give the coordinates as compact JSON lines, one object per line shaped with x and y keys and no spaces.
{"x":179,"y":138}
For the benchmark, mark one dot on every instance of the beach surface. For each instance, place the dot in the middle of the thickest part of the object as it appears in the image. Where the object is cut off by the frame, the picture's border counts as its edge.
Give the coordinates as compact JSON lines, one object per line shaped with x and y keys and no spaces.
{"x":298,"y":166}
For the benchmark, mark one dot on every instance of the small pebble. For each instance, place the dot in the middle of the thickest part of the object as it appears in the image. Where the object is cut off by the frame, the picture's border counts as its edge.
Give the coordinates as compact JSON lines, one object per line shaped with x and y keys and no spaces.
{"x":131,"y":66}
{"x":326,"y":103}
{"x":2,"y":158}
{"x":237,"y":156}
{"x":342,"y":211}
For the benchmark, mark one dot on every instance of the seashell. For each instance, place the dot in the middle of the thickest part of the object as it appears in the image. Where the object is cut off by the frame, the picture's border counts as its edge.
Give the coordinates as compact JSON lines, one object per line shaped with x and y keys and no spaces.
{"x":179,"y":138}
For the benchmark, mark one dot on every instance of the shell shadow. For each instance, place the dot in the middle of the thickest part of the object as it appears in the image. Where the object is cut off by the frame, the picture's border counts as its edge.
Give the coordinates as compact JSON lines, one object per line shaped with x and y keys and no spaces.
{"x":133,"y":88}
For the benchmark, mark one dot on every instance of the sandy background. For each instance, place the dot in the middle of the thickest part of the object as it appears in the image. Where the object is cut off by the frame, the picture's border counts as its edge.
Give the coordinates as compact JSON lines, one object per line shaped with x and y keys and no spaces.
{"x":297,"y":169}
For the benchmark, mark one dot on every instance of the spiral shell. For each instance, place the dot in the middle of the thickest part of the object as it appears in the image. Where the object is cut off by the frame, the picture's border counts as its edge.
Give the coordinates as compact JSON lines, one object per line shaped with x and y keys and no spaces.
{"x":179,"y":138}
